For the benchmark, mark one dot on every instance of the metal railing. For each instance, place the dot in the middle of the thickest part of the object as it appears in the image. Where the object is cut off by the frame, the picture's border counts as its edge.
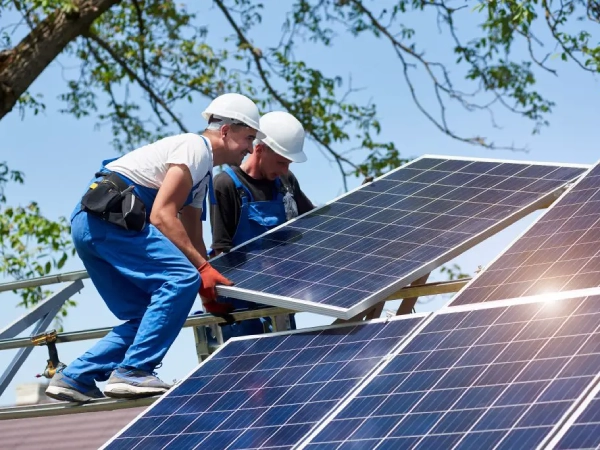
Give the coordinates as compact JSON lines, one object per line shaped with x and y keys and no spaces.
{"x":43,"y":314}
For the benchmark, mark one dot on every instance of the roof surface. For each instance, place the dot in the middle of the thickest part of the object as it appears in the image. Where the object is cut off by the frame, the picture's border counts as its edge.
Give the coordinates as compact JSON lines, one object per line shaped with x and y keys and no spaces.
{"x":71,"y":431}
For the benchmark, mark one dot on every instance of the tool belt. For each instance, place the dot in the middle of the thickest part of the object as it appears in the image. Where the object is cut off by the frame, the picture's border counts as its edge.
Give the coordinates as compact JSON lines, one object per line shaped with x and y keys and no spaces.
{"x":114,"y":201}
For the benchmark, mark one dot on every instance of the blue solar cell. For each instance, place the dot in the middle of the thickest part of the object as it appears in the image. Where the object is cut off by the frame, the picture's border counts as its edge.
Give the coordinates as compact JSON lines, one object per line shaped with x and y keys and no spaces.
{"x":536,"y":171}
{"x":265,"y":392}
{"x":414,"y":215}
{"x":479,"y":167}
{"x":560,"y":252}
{"x":407,"y":188}
{"x":487,"y":181}
{"x":501,"y":376}
{"x":584,"y":432}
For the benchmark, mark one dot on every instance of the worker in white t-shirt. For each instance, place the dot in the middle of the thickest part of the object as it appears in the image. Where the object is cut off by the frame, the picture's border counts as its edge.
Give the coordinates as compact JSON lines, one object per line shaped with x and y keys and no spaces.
{"x":138,"y":231}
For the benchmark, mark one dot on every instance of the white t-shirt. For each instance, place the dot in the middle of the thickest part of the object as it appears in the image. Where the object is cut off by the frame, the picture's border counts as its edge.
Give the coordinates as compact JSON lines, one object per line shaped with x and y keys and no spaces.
{"x":147,"y":166}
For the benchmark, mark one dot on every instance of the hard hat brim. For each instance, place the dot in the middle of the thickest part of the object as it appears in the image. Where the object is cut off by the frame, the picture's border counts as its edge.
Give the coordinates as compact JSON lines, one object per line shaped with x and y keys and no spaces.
{"x":259,"y":134}
{"x":297,"y":157}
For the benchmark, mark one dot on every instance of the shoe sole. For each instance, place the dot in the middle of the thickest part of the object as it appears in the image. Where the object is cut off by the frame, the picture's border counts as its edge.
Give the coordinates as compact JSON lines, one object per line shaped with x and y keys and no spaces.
{"x":124,"y":390}
{"x":69,"y":395}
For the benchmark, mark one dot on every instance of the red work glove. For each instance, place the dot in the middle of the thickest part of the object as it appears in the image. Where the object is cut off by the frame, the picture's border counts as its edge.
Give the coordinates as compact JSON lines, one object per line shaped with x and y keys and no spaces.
{"x":210,"y":278}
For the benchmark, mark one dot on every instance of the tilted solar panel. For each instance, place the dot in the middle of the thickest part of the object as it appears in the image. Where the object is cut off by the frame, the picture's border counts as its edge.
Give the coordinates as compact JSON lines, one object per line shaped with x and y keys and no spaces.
{"x":559,"y":252}
{"x":493,"y":377}
{"x":583,"y":430}
{"x":266,"y":391}
{"x":348,"y":255}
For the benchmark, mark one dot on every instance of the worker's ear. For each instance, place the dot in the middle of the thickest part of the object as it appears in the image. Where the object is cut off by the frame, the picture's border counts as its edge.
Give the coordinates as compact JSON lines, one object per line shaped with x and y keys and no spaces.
{"x":259,"y":148}
{"x":224,"y":130}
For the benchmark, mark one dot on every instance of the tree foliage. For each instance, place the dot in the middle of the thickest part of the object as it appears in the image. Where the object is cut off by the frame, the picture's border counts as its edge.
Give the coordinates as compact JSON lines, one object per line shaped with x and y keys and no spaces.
{"x":30,"y":244}
{"x":139,"y":62}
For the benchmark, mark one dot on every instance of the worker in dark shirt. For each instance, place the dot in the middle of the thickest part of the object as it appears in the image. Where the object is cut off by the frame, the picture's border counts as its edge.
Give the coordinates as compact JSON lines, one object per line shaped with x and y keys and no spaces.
{"x":262,"y":193}
{"x":258,"y":196}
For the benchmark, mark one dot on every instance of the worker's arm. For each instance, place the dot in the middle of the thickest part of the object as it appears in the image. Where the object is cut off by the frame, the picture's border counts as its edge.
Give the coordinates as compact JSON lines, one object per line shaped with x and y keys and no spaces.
{"x":191,"y":218}
{"x":169,"y":200}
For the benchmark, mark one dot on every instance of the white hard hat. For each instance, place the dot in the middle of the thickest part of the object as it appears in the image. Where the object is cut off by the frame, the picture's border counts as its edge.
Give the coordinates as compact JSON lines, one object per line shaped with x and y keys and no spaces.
{"x":284,"y":135}
{"x":237,"y":107}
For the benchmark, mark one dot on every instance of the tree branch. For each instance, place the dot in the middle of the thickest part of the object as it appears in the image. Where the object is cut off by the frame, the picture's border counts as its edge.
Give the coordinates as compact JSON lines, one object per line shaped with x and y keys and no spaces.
{"x":548,"y":15}
{"x":256,"y":56}
{"x":400,"y":48}
{"x":146,"y":87}
{"x":141,"y":39}
{"x":21,"y":65}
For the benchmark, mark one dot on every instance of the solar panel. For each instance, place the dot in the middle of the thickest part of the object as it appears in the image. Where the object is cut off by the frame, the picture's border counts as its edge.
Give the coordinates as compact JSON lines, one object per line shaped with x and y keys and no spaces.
{"x":494,"y":377}
{"x":583,"y":429}
{"x":264,"y":391}
{"x":348,"y":255}
{"x":560,"y":252}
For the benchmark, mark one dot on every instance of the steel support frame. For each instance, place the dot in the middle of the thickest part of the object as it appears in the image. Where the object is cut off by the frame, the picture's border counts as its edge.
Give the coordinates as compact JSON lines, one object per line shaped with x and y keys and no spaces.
{"x":409,"y":296}
{"x":61,"y":408}
{"x":279,"y":321}
{"x":198,"y":322}
{"x":408,"y":303}
{"x":42,"y":316}
{"x":192,"y":321}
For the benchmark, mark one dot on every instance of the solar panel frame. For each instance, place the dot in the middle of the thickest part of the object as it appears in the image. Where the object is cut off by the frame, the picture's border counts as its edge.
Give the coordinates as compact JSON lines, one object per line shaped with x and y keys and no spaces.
{"x":419,"y":318}
{"x":573,"y":425}
{"x":455,"y":301}
{"x":558,"y":427}
{"x":419,"y":271}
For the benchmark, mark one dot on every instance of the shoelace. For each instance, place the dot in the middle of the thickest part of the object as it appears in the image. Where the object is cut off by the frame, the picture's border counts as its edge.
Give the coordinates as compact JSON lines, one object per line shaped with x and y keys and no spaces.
{"x":158,"y":366}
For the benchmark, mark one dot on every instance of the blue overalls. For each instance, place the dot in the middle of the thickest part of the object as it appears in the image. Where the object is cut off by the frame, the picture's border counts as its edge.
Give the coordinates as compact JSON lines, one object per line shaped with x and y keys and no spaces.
{"x":145,"y":281}
{"x":255,"y":219}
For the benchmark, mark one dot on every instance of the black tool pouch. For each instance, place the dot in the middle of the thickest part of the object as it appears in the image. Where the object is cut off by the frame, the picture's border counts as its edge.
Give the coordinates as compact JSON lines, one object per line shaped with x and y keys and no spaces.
{"x":113,"y":200}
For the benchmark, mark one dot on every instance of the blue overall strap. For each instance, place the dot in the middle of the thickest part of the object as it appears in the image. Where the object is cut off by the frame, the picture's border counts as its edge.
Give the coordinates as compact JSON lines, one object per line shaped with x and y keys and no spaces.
{"x":210,"y":192}
{"x":238,"y":185}
{"x":211,"y":188}
{"x":277,"y":194}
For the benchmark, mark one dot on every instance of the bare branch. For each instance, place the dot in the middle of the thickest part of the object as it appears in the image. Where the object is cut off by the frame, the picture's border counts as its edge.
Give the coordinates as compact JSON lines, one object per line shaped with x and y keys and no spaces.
{"x":549,"y":16}
{"x":24,"y":13}
{"x":108,"y":87}
{"x":137,"y":79}
{"x":256,"y":56}
{"x":529,"y":37}
{"x":145,"y":70}
{"x":402,"y":49}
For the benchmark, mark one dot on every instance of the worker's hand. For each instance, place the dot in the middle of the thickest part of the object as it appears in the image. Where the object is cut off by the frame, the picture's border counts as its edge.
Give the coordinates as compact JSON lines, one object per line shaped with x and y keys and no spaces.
{"x":217,"y":308}
{"x":368,"y":180}
{"x":210,"y":278}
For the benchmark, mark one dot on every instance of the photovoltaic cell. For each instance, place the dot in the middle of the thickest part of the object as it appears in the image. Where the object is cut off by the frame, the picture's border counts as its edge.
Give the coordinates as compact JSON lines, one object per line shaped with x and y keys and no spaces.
{"x":499,"y":377}
{"x":584,"y":433}
{"x":347,"y":255}
{"x":560,"y":252}
{"x":264,"y":392}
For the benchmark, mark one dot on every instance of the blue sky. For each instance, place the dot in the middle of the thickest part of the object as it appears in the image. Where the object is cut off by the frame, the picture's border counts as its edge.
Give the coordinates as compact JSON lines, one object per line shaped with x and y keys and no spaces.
{"x":59,"y":153}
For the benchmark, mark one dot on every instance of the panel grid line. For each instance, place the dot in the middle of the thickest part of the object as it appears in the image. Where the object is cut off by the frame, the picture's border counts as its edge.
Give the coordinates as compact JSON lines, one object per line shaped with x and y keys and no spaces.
{"x":345,"y":254}
{"x":348,"y":415}
{"x":559,"y":252}
{"x":543,"y":391}
{"x":277,"y":386}
{"x":582,"y":430}
{"x":477,"y":379}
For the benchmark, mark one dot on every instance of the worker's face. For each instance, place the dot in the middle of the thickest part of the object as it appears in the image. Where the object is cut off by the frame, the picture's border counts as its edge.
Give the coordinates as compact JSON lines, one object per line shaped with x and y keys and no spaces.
{"x":272,"y":165}
{"x":238,"y":142}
